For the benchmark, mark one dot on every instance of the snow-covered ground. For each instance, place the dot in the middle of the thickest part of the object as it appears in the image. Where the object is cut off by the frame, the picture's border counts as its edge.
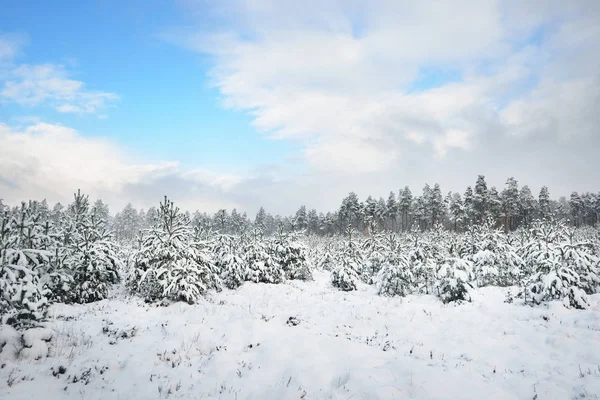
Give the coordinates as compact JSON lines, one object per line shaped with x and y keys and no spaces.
{"x":308,"y":341}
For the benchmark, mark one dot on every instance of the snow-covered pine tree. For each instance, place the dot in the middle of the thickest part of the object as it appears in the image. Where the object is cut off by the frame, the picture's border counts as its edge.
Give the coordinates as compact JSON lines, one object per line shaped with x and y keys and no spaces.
{"x":262,"y":265}
{"x":56,"y":278}
{"x":454,"y":280}
{"x":584,"y":260}
{"x":89,"y":253}
{"x":22,"y":302}
{"x":558,"y":265}
{"x":169,"y":263}
{"x":423,"y":258}
{"x":395,"y":277}
{"x":326,"y":259}
{"x":229,"y":261}
{"x":375,"y":254}
{"x":495,"y":261}
{"x":347,"y":274}
{"x":292,"y":256}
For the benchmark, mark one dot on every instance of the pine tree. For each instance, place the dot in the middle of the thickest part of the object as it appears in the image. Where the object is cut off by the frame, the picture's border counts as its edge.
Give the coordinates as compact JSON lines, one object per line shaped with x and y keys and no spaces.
{"x":263,"y":267}
{"x":510,"y":203}
{"x":395,"y":276}
{"x":527,"y":205}
{"x":454,"y":280}
{"x":423,"y":258}
{"x":89,"y":254}
{"x":351,"y":265}
{"x":301,"y":218}
{"x":495,"y":261}
{"x":392,"y":211}
{"x":292,"y":256}
{"x":405,"y":201}
{"x":544,"y":203}
{"x":229,"y":261}
{"x":260,"y":219}
{"x":101,"y":210}
{"x":561,"y":268}
{"x":22,"y":302}
{"x":313,"y":222}
{"x":480,"y":198}
{"x":469,"y":204}
{"x":170,"y":263}
{"x":576,"y":207}
{"x":436,"y":205}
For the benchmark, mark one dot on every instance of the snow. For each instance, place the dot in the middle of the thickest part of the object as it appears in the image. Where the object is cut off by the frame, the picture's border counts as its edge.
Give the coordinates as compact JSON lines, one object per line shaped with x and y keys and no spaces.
{"x":239,"y":344}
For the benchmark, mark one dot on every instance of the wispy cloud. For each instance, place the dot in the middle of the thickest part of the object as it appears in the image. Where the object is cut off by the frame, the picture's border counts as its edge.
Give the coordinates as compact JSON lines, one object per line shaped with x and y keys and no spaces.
{"x":11,"y":45}
{"x":48,"y":85}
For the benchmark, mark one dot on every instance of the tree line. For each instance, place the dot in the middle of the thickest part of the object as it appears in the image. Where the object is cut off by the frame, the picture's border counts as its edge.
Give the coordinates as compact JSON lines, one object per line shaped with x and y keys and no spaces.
{"x":402,"y":211}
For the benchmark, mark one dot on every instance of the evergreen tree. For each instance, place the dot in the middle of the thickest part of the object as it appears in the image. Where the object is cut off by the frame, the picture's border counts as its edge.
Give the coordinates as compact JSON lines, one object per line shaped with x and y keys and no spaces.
{"x":89,"y":254}
{"x":405,"y":201}
{"x":171,"y":264}
{"x":469,"y":205}
{"x":263,"y":267}
{"x":457,"y":211}
{"x":395,"y":276}
{"x":527,"y":205}
{"x":544,"y":203}
{"x":436,"y":205}
{"x":101,"y":210}
{"x":347,"y":274}
{"x":301,"y":218}
{"x":260,"y":219}
{"x":454,"y":280}
{"x":392,"y":211}
{"x":313,"y":222}
{"x":510,"y":203}
{"x":229,"y":261}
{"x":480,"y":198}
{"x":495,"y":205}
{"x":576,"y":207}
{"x":22,"y":302}
{"x":561,"y":268}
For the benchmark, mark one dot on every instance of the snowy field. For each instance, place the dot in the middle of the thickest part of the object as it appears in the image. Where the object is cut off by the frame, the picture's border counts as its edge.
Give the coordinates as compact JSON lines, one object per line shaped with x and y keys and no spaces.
{"x":306,"y":340}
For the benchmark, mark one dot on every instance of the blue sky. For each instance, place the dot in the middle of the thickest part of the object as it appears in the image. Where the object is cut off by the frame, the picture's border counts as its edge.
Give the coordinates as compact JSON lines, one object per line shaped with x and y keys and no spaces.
{"x":166,"y":109}
{"x":323,"y":98}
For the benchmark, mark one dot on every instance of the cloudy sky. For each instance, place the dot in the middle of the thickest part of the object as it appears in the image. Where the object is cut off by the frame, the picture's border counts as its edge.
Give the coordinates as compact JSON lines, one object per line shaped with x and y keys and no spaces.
{"x":242,"y":103}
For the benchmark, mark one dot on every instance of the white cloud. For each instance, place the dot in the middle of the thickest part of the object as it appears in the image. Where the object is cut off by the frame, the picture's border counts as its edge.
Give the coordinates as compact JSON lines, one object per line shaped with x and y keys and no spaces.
{"x":449,"y":140}
{"x":52,"y":161}
{"x":415,"y":137}
{"x":49,"y":84}
{"x":335,"y":77}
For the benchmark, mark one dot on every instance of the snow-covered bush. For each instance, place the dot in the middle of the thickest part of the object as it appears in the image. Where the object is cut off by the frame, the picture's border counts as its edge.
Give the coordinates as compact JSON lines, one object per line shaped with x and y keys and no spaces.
{"x":454,"y":280}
